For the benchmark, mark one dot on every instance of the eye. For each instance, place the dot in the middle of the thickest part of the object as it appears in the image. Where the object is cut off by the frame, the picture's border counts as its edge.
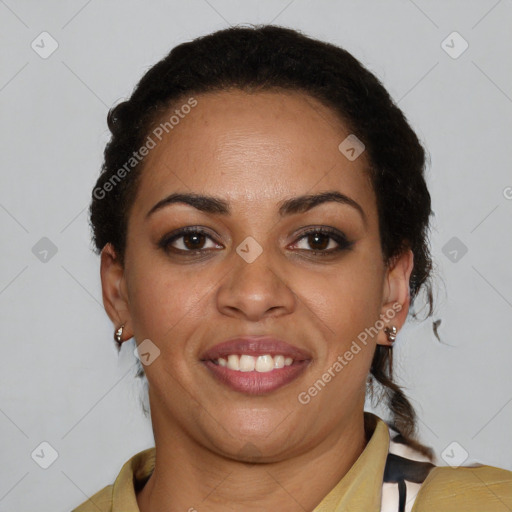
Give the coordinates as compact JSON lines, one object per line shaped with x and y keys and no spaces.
{"x":189,"y":240}
{"x":322,"y":239}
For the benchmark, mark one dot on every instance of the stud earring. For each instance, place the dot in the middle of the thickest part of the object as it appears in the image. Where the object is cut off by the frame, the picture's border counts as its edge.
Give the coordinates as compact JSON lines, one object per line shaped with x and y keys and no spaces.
{"x":118,"y":335}
{"x":391,"y":333}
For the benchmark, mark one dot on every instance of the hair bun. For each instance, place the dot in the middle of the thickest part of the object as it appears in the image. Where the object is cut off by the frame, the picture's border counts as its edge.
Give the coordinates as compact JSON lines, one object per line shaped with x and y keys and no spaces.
{"x":117,"y":115}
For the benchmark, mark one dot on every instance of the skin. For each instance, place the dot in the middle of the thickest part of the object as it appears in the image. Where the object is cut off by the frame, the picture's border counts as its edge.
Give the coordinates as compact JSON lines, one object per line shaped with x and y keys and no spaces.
{"x":253,"y":150}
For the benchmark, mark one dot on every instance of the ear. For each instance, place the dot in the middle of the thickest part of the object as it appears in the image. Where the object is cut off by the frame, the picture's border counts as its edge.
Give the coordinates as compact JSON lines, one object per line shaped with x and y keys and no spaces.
{"x":396,"y":296}
{"x":113,"y":285}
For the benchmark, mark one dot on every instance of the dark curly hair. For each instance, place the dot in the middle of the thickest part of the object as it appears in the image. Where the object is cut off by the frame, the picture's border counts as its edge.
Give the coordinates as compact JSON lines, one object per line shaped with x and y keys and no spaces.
{"x":269,"y":57}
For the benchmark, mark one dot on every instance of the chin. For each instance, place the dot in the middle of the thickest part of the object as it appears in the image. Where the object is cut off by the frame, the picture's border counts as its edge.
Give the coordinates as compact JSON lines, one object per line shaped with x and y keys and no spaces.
{"x":253,"y":436}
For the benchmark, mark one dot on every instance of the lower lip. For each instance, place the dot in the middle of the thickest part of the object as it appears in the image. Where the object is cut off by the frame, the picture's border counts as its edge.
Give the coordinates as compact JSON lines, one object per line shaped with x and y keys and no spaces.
{"x":256,"y":383}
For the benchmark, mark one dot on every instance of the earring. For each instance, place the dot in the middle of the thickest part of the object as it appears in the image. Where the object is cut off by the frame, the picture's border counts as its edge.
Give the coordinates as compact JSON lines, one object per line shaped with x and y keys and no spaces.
{"x":118,"y":335}
{"x":391,"y":333}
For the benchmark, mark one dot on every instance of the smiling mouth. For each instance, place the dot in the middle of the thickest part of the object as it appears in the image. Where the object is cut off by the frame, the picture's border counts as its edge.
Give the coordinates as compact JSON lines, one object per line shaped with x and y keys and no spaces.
{"x":248,"y":363}
{"x":255,"y":375}
{"x":255,"y":365}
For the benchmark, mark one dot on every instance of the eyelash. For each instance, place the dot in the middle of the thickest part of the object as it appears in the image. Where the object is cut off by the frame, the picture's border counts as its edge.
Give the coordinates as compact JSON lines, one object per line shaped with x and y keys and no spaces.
{"x":338,"y":237}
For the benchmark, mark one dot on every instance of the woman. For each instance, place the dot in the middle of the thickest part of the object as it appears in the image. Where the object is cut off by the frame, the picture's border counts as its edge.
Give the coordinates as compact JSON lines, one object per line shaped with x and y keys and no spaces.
{"x":262,"y":217}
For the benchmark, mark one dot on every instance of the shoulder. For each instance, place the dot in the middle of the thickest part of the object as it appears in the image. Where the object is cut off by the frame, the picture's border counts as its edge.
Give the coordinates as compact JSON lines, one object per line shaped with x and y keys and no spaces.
{"x":100,"y":502}
{"x":468,"y":489}
{"x":121,"y":495}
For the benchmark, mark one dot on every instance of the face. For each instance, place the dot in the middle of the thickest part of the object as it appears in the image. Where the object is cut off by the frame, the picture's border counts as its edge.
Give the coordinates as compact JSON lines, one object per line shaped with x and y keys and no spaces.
{"x":258,"y":264}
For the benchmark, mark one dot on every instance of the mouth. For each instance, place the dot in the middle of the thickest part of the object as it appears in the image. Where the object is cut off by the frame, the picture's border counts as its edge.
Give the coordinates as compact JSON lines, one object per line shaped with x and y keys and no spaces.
{"x":246,"y":363}
{"x":255,"y":365}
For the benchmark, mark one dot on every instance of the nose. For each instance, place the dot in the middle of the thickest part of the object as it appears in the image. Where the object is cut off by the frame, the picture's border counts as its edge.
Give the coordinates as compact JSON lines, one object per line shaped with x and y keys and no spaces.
{"x":255,"y":290}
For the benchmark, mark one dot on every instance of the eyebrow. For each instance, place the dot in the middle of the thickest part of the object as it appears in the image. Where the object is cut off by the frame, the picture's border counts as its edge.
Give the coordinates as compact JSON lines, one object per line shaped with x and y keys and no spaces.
{"x":218,"y":206}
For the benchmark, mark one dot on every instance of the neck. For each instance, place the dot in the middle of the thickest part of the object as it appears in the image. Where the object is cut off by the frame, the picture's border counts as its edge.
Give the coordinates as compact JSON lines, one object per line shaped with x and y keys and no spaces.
{"x":189,"y":477}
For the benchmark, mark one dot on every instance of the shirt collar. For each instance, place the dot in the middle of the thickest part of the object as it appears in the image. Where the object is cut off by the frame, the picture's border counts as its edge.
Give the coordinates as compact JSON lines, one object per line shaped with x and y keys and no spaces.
{"x":134,"y":472}
{"x":359,"y":489}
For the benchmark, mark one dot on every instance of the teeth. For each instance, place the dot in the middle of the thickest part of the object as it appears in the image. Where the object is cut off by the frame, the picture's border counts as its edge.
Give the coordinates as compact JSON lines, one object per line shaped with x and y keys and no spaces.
{"x":278,"y":361}
{"x":247,"y":363}
{"x":262,"y":364}
{"x":233,"y":362}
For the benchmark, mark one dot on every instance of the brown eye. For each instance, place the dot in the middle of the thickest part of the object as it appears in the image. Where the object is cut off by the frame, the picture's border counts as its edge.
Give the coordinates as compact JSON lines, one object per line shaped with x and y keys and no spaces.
{"x":324,"y":241}
{"x":318,"y":241}
{"x":193,"y":241}
{"x":187,"y":240}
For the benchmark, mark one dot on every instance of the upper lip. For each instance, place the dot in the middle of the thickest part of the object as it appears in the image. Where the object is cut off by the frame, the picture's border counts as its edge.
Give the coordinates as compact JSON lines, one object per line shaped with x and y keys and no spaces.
{"x":255,"y":346}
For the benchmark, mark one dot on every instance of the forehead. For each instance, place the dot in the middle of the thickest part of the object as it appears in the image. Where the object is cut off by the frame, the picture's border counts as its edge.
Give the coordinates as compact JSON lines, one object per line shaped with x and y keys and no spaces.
{"x":252,"y":148}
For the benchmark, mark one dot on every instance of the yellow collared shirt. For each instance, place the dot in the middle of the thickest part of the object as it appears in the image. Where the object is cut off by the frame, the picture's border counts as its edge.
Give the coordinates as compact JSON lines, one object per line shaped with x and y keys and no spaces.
{"x":445,"y":489}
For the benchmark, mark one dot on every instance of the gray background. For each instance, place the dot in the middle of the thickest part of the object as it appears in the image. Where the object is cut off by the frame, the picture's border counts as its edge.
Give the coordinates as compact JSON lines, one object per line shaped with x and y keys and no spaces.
{"x":62,"y":381}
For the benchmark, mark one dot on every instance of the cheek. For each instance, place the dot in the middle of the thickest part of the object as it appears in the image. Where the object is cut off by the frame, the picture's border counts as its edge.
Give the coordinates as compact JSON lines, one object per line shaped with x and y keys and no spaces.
{"x":163,"y":302}
{"x":348,"y":305}
{"x":348,"y":299}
